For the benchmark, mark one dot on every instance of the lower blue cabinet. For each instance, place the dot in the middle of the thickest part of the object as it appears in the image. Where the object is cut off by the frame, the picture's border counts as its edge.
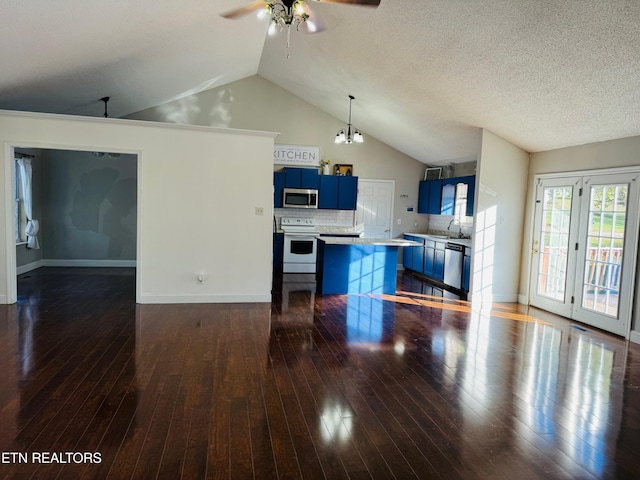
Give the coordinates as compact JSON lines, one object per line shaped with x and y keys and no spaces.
{"x":278,"y":251}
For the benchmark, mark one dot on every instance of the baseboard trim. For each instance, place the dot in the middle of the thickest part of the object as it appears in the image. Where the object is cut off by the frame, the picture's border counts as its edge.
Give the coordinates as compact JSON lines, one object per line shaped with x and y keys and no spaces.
{"x":29,"y":267}
{"x":149,"y":298}
{"x":523,"y":299}
{"x":634,"y":336}
{"x":88,"y":263}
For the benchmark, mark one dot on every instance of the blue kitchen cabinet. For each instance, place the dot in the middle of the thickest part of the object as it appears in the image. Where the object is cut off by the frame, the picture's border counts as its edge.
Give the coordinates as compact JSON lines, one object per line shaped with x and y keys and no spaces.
{"x":278,"y":251}
{"x":278,"y":185}
{"x":430,"y":196}
{"x":470,"y":182}
{"x":438,"y":197}
{"x":407,"y":255}
{"x":292,"y":177}
{"x":438,"y":262}
{"x":413,"y":257}
{"x":328,"y":192}
{"x":309,"y":178}
{"x":429,"y":258}
{"x":466,"y":270}
{"x":448,"y":202}
{"x":301,"y":178}
{"x":347,"y":193}
{"x":417,"y":260}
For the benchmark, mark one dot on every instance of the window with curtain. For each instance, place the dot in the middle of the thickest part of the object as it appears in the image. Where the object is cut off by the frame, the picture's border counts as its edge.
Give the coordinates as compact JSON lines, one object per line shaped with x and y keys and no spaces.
{"x":20,"y":216}
{"x":25,"y":203}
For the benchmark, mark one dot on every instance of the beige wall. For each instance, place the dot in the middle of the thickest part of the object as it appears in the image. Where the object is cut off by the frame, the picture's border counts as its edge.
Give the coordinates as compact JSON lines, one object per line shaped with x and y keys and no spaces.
{"x":257,"y":104}
{"x":501,"y":187}
{"x":185,"y":176}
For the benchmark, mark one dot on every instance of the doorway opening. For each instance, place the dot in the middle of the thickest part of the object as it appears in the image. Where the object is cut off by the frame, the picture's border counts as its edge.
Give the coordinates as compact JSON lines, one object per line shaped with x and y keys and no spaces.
{"x":86,"y":206}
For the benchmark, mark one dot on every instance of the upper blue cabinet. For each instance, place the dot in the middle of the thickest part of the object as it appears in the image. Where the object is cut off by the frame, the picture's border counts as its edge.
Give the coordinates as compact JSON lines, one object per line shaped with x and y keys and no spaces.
{"x":430,"y":196}
{"x":301,"y":178}
{"x":334,"y":192}
{"x":440,"y":197}
{"x":278,"y":185}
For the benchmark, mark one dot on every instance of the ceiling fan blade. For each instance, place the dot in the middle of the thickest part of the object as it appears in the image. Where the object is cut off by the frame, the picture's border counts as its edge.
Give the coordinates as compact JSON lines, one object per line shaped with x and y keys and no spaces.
{"x":364,"y":3}
{"x":247,"y":9}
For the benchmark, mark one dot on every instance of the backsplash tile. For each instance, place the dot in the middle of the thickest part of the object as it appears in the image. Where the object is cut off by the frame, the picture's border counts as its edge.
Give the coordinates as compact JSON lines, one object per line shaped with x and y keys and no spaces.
{"x":439,"y":224}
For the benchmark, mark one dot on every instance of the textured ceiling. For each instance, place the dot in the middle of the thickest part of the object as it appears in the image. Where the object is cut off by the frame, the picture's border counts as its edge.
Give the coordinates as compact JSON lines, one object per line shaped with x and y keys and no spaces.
{"x":426,"y":74}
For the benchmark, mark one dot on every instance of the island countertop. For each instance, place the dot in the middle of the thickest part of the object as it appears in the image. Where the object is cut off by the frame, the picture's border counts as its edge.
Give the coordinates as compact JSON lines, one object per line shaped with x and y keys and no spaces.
{"x":386,"y":242}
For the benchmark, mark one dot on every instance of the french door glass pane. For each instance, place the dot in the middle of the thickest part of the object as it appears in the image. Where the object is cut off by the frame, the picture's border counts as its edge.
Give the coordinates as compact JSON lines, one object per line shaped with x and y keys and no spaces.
{"x":554,"y":242}
{"x":605,"y":246}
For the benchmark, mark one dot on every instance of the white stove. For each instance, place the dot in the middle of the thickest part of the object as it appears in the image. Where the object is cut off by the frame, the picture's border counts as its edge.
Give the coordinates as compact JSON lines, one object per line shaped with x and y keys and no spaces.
{"x":300,"y":245}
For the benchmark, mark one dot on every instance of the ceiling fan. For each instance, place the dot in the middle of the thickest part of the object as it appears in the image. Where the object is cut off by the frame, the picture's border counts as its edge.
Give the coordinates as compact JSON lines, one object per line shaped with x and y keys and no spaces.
{"x":284,"y":13}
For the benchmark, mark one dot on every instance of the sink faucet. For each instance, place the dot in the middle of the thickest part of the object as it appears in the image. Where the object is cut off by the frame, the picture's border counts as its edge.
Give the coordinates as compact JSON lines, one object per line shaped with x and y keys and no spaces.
{"x":454,"y":222}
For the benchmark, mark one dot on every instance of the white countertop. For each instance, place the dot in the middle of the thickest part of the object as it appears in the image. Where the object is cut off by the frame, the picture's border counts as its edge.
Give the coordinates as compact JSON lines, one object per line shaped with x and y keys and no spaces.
{"x":388,"y":242}
{"x":441,"y":238}
{"x":335,"y":230}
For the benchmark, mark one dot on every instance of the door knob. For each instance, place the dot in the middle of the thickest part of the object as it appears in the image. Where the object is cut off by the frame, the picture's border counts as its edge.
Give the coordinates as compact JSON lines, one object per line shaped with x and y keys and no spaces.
{"x":534,"y":250}
{"x":387,"y":230}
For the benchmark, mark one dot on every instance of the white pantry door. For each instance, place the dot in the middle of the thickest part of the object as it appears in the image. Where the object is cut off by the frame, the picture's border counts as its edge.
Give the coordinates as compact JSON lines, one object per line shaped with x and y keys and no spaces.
{"x":375,"y":207}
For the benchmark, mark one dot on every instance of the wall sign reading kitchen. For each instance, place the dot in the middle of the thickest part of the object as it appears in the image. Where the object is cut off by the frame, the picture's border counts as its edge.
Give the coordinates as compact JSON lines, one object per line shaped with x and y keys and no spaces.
{"x":306,"y":155}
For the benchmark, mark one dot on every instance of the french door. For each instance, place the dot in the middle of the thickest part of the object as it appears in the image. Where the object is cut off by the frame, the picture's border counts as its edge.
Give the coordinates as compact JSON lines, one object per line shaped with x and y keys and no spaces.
{"x":585,"y":247}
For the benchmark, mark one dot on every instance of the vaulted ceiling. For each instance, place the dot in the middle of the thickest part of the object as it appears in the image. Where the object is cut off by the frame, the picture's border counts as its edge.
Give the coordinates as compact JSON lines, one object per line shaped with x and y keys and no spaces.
{"x":426,"y":74}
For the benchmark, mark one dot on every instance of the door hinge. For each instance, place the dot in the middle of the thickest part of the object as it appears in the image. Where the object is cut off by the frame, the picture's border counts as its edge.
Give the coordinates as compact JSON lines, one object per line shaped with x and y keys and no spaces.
{"x":576,"y":246}
{"x":573,"y":299}
{"x":580,"y":192}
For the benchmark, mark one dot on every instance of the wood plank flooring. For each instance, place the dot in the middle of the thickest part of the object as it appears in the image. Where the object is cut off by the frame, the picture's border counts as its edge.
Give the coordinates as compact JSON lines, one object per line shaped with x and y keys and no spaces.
{"x":414,"y":385}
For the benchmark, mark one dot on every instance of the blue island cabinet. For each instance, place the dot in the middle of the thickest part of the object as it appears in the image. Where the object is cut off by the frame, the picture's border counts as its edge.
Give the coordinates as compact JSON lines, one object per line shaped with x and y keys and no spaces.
{"x":356,"y":267}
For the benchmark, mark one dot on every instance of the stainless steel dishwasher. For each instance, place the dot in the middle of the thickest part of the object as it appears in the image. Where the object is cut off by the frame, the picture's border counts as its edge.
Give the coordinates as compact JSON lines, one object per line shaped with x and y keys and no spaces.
{"x":453,"y":260}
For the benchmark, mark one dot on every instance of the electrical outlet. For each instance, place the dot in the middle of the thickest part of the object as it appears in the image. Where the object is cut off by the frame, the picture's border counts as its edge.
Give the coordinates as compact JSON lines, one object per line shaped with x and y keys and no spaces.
{"x":399,"y":221}
{"x":259,"y":211}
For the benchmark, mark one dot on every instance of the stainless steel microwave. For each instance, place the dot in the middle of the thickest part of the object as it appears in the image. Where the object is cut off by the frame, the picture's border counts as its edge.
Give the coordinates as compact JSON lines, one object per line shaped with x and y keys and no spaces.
{"x":299,"y":198}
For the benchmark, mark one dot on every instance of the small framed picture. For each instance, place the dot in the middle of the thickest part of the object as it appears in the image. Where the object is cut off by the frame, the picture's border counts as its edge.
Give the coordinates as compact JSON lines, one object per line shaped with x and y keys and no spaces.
{"x":343,"y":170}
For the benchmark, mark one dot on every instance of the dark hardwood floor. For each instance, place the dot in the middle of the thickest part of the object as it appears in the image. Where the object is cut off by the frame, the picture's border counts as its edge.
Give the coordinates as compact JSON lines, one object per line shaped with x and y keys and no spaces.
{"x":415,"y":385}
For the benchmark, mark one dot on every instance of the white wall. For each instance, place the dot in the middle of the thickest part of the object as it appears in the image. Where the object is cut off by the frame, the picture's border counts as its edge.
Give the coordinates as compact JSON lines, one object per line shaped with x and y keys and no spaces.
{"x":622,"y":152}
{"x":198,"y":189}
{"x":257,"y":104}
{"x":501,"y":188}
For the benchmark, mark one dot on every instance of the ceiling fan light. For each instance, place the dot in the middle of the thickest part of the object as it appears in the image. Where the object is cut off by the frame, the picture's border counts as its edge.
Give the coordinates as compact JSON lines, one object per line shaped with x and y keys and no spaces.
{"x":298,"y":8}
{"x":273,"y":29}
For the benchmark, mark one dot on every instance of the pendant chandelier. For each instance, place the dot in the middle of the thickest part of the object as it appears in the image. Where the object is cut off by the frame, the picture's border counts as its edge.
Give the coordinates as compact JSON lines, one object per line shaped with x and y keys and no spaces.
{"x":352,"y":134}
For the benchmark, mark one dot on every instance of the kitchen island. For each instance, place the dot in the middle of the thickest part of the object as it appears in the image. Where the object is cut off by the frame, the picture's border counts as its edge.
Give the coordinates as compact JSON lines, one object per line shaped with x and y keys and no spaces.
{"x":358,"y":265}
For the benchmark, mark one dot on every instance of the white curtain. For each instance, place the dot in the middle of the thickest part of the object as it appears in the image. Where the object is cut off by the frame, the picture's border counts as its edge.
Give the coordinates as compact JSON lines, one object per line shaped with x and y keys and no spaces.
{"x":26,"y":174}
